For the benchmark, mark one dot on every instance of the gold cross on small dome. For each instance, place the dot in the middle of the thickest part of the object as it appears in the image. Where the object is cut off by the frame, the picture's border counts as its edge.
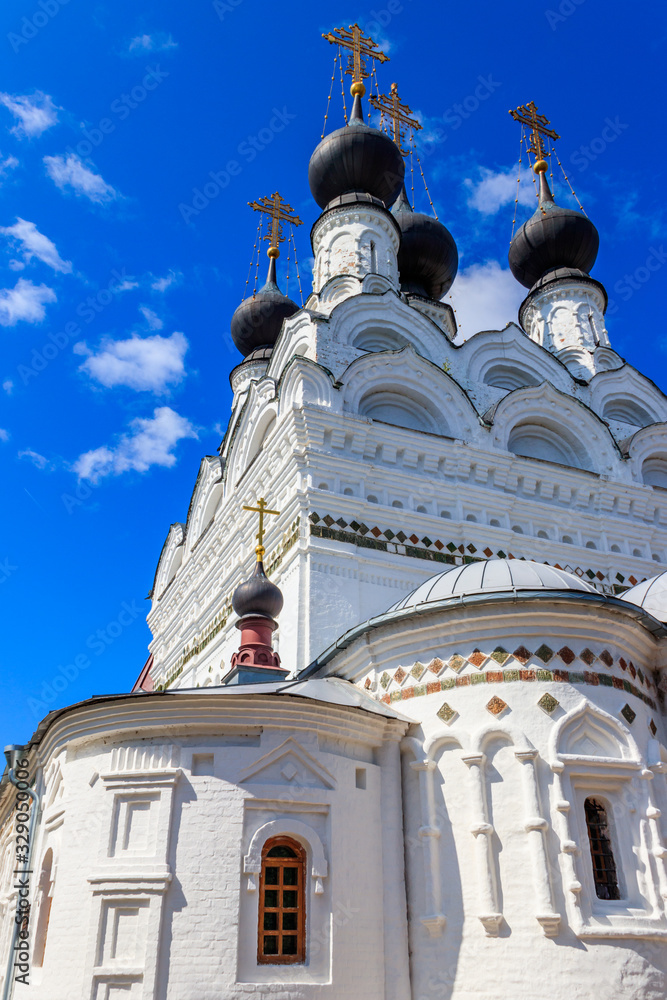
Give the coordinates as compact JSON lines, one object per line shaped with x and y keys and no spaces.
{"x":280,"y":212}
{"x":361,"y":48}
{"x":390,"y":104}
{"x":261,"y":509}
{"x":538,"y":125}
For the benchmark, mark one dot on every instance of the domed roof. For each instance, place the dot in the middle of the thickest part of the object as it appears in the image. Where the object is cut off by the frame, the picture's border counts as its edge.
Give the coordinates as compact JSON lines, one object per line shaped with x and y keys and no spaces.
{"x":489,"y":576}
{"x":553,"y":237}
{"x":427,"y":258}
{"x":257,"y":596}
{"x":356,"y":158}
{"x":651,"y":595}
{"x":257,"y":322}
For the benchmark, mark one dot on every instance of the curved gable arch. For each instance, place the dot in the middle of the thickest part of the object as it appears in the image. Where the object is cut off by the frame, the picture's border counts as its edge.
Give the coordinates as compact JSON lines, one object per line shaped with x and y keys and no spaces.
{"x":377,"y":323}
{"x":624,"y":395}
{"x":304,"y":382}
{"x":509,"y":359}
{"x":647,"y":451}
{"x":170,"y":559}
{"x":404,"y":389}
{"x":205,"y":498}
{"x":542,"y":423}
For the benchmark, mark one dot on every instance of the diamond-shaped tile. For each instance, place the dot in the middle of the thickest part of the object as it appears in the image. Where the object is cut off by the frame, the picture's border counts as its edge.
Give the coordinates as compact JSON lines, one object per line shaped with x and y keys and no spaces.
{"x":606,"y":657}
{"x":341,"y":523}
{"x":471,"y":549}
{"x":566,"y":655}
{"x":414,"y":539}
{"x":456,"y":662}
{"x":477,"y":658}
{"x":522,"y":655}
{"x":400,"y":675}
{"x":623,"y":663}
{"x":328,"y":520}
{"x":496,"y":705}
{"x":376,"y":531}
{"x":544,"y":653}
{"x":500,"y":655}
{"x":385,"y":680}
{"x":488,"y":552}
{"x":354,"y":525}
{"x":628,"y":714}
{"x":401,"y":536}
{"x":446,"y":713}
{"x":314,"y":517}
{"x":438,"y":544}
{"x":451,"y":546}
{"x":363,"y":529}
{"x":632,"y":669}
{"x":289,"y":771}
{"x":587,"y":655}
{"x":367,"y":683}
{"x":436,"y":665}
{"x":652,"y":726}
{"x":388,"y":534}
{"x":548,"y":703}
{"x":418,"y":670}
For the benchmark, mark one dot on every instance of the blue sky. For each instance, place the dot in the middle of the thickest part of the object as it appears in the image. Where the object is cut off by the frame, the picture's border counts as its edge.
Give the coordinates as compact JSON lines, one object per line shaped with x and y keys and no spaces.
{"x":115,"y":296}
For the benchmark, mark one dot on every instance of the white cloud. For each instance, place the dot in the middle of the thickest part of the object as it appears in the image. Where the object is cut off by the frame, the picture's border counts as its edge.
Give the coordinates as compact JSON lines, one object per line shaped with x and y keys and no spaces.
{"x":69,"y":171}
{"x":162,"y":284}
{"x":32,"y":243}
{"x":145,"y":364}
{"x":152,"y":318}
{"x":495,"y":189}
{"x":35,"y":113}
{"x":24,"y":301}
{"x":150,"y":442}
{"x":33,"y":456}
{"x":4,"y":435}
{"x":8,"y":386}
{"x":158,"y":42}
{"x":9,"y":163}
{"x":486,"y":297}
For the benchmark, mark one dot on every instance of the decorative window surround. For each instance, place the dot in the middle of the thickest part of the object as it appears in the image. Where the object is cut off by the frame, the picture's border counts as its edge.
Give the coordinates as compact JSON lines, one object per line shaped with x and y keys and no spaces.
{"x":613,"y":773}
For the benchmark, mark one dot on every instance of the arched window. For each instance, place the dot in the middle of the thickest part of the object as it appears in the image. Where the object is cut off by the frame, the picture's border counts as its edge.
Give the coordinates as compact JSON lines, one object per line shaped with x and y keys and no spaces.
{"x":282,"y":903}
{"x":602,"y":856}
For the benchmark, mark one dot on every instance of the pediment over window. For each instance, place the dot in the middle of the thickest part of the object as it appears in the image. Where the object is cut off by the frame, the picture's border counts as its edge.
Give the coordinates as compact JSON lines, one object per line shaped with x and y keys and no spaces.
{"x":589,"y":733}
{"x":289,"y":764}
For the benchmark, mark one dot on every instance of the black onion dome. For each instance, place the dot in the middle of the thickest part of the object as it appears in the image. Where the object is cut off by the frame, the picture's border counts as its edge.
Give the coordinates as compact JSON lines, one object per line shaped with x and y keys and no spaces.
{"x":356,"y":158}
{"x":257,"y":596}
{"x":427,"y":258}
{"x":257,"y":321}
{"x":553,"y":237}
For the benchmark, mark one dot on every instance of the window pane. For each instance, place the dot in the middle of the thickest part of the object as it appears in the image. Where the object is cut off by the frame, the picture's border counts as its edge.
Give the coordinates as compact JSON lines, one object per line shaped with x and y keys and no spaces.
{"x":270,"y":945}
{"x":271,"y":898}
{"x":602,"y":856}
{"x":290,"y":897}
{"x":271,"y":876}
{"x":271,"y":922}
{"x":289,"y":921}
{"x":281,"y":852}
{"x":290,"y":876}
{"x":289,"y":944}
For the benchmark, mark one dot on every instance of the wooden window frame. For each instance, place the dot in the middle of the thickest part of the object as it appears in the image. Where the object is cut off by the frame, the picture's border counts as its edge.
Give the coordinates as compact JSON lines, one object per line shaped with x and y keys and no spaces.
{"x":602,"y":851}
{"x":300,"y":863}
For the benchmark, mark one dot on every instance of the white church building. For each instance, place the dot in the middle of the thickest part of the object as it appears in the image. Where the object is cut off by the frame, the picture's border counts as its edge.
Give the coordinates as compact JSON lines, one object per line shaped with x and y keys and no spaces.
{"x":411,"y":746}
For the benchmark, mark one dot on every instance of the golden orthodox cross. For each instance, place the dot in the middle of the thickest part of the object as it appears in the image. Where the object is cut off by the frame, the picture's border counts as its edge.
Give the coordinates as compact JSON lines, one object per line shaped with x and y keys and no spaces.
{"x":361,"y":48}
{"x":261,"y":509}
{"x":280,"y":212}
{"x":538,"y":125}
{"x":399,"y":113}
